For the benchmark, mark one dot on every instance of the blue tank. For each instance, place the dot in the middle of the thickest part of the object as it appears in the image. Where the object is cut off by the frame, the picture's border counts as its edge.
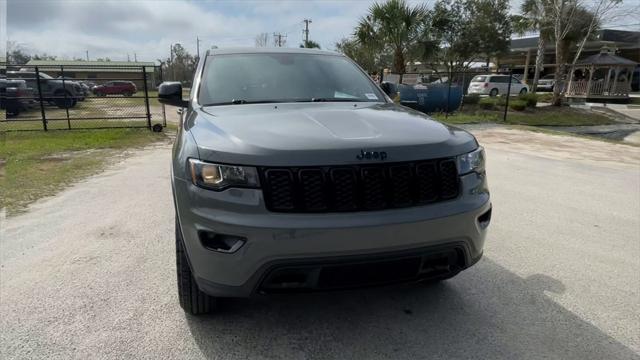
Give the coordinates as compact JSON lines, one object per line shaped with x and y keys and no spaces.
{"x":431,"y":98}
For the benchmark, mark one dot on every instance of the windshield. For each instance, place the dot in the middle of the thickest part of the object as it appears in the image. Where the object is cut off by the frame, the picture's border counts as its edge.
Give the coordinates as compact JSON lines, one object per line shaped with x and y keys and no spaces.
{"x":283,"y":77}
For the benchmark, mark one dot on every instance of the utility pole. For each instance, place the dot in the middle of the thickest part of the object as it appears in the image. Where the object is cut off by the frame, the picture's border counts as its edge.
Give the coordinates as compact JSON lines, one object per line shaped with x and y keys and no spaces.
{"x":198,"y":47}
{"x":87,"y":51}
{"x":173,"y":68}
{"x":277,"y":38}
{"x":306,"y":31}
{"x":135,"y":57}
{"x":128,"y":59}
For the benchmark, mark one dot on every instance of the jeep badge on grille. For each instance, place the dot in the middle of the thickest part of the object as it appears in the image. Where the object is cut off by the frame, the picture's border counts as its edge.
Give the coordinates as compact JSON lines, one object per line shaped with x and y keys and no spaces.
{"x":369,"y":155}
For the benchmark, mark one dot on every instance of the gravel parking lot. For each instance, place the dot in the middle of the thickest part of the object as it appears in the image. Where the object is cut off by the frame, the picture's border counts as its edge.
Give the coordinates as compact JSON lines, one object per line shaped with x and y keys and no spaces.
{"x":90,"y":273}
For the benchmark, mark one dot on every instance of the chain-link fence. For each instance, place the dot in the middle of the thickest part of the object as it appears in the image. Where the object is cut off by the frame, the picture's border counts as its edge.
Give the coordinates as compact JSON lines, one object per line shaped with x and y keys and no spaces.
{"x":478,"y":93}
{"x":80,"y":97}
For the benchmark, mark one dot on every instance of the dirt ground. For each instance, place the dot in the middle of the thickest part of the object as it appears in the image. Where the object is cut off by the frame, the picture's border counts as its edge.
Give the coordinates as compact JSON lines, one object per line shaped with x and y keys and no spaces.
{"x":90,"y":273}
{"x":560,"y":147}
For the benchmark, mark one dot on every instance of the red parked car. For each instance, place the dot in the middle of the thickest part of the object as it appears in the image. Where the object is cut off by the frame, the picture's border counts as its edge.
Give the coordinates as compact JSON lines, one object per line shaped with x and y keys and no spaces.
{"x":126,"y":88}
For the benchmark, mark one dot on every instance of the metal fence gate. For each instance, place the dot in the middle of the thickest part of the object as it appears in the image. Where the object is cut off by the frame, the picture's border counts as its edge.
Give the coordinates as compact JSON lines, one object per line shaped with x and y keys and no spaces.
{"x":64,"y":97}
{"x":448,"y":92}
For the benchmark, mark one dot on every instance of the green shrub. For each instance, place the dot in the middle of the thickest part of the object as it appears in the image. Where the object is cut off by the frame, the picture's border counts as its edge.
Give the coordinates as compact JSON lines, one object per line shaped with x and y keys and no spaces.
{"x":545,"y":97}
{"x":488,"y":103}
{"x":530,"y":99}
{"x":518,"y":105}
{"x":471,"y":99}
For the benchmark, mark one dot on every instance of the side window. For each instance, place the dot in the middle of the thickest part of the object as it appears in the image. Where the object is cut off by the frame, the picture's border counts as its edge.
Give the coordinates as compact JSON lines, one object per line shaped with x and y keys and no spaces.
{"x":515,"y":81}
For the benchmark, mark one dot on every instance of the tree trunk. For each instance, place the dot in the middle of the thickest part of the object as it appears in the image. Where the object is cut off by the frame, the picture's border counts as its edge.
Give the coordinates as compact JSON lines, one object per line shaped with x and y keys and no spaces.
{"x":560,"y":62}
{"x":539,"y":63}
{"x":398,"y":62}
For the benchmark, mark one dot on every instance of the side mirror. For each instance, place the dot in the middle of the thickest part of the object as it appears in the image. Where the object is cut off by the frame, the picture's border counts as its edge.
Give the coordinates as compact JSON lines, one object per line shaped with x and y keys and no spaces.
{"x":170,"y":93}
{"x":389,"y":88}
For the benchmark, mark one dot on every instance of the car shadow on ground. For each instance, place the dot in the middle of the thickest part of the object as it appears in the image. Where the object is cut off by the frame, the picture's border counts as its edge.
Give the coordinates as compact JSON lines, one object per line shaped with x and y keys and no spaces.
{"x":487,"y":312}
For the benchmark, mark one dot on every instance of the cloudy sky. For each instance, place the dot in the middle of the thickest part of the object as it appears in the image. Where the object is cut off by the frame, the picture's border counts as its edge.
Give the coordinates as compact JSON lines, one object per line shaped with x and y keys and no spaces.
{"x":112,"y":28}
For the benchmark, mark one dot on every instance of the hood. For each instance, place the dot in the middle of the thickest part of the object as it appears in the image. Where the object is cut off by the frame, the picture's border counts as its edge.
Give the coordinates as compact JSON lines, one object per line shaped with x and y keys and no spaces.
{"x":301,"y":134}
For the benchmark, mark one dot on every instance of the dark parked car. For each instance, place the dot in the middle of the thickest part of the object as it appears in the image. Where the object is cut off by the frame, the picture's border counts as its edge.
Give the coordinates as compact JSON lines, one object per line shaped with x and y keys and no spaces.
{"x":82,"y":87}
{"x":55,"y":91}
{"x":126,"y":88}
{"x":15,"y":96}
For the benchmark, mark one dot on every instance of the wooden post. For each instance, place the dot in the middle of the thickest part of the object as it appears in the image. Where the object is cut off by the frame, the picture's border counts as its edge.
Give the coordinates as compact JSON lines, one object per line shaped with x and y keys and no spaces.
{"x":607,"y":83}
{"x":570,"y":83}
{"x":526,"y":67}
{"x":615,"y":79}
{"x":588,"y":90}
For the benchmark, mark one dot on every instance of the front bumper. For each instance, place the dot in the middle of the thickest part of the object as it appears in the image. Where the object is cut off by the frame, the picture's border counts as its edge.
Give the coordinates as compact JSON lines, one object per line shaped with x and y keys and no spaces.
{"x":276,"y":240}
{"x":480,"y":91}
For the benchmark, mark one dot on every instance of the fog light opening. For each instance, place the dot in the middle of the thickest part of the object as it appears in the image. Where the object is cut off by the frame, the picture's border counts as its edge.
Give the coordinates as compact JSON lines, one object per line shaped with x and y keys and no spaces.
{"x":485,"y":219}
{"x":221,"y":242}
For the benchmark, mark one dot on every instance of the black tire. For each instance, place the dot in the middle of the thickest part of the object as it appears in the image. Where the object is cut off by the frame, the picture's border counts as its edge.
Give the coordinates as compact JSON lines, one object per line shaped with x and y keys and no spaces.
{"x":62,"y":102}
{"x":127,"y":94}
{"x":493,"y":92}
{"x":192,"y":300}
{"x":523,"y":91}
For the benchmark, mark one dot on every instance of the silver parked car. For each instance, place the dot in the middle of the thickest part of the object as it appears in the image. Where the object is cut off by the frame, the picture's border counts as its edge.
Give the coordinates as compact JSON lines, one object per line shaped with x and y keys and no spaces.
{"x":494,"y":85}
{"x":293,"y":171}
{"x":546,"y":83}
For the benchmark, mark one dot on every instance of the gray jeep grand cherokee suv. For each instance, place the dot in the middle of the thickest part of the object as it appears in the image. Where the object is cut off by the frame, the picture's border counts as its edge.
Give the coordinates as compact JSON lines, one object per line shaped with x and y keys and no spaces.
{"x":293,"y":171}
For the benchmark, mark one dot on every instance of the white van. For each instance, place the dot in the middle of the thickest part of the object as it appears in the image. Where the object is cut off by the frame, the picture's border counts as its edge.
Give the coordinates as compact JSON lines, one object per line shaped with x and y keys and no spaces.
{"x":494,"y":85}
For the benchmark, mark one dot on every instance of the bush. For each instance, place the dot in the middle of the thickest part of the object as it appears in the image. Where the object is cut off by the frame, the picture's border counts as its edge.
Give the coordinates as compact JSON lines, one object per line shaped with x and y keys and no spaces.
{"x":488,"y":103}
{"x":471,"y":99}
{"x":530,"y":99}
{"x":518,"y":105}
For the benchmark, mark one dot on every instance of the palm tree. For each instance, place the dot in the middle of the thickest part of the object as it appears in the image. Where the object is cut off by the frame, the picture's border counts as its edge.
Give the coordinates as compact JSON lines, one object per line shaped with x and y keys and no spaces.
{"x":533,"y":18}
{"x":393,"y":26}
{"x":310,"y":44}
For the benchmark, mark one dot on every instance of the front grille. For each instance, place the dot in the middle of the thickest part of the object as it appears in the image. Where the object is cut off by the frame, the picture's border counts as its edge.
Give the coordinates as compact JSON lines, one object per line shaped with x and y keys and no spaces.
{"x":359,"y":188}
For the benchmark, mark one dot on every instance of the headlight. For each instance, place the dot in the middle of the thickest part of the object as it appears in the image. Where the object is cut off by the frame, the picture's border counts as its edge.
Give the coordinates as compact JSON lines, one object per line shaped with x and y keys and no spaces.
{"x":473,"y":161}
{"x":218,"y":176}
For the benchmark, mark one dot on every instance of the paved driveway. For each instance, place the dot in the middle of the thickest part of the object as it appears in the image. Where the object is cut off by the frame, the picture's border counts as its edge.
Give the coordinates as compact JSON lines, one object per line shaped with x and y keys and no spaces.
{"x":91,"y":274}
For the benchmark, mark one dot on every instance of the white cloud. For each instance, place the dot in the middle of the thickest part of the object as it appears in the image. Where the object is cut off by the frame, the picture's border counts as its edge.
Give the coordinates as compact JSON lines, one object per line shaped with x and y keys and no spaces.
{"x":116,"y":28}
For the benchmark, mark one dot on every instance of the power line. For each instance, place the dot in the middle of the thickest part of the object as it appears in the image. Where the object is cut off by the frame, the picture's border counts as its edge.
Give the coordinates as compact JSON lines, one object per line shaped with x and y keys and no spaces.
{"x":278,"y":39}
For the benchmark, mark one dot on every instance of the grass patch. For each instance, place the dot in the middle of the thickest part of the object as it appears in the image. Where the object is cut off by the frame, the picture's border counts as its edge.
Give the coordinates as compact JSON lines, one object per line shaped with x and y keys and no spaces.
{"x":479,"y":117}
{"x":540,"y":116}
{"x":34,"y":164}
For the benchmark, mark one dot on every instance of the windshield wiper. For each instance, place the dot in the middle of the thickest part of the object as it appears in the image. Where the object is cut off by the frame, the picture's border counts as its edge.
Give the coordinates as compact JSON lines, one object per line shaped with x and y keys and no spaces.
{"x":242,"y":101}
{"x":337,"y":100}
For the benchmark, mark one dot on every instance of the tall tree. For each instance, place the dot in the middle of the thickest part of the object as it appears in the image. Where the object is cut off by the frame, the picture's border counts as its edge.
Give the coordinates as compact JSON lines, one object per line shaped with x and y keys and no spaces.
{"x":471,"y":30}
{"x":600,"y":10}
{"x":180,"y":66}
{"x":533,"y":19}
{"x":570,"y":22}
{"x":262,"y":40}
{"x":367,"y":58}
{"x":310,"y":45}
{"x":394,"y":26}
